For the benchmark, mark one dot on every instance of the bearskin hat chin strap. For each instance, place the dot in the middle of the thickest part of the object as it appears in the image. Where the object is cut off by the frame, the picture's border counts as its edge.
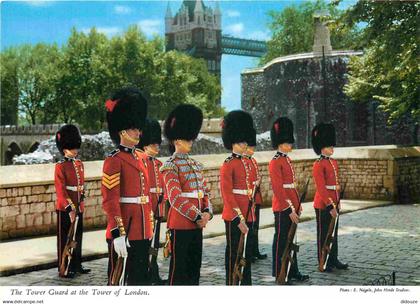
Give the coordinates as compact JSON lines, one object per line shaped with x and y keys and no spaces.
{"x":183,"y":145}
{"x":128,"y":138}
{"x":151,"y":150}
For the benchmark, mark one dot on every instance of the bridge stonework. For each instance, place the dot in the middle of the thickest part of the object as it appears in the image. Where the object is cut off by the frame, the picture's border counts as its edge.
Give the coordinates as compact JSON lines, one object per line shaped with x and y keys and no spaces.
{"x":16,"y":140}
{"x":27,"y":193}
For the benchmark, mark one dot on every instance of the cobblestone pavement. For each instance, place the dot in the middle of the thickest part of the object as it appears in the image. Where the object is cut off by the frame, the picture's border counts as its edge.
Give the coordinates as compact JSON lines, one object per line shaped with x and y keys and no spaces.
{"x":374,"y":242}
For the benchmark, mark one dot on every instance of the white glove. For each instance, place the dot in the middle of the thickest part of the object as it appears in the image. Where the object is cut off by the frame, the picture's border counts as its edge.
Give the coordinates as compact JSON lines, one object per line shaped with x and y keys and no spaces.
{"x":120,"y":246}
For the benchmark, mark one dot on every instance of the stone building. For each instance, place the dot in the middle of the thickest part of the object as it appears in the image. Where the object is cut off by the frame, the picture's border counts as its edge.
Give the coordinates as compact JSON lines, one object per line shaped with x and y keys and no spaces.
{"x":308,"y":88}
{"x":196,"y":29}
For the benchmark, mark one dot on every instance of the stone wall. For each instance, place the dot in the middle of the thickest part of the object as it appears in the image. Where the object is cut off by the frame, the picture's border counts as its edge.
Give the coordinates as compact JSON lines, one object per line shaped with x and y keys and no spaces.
{"x":17,"y":140}
{"x":309,"y":90}
{"x":27,"y":192}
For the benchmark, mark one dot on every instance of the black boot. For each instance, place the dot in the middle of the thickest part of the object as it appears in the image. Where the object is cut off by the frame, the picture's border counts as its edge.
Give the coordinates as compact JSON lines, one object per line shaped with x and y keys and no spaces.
{"x":69,"y":275}
{"x":83,"y":270}
{"x":337,"y":264}
{"x":299,"y":277}
{"x":261,"y":256}
{"x":159,"y":281}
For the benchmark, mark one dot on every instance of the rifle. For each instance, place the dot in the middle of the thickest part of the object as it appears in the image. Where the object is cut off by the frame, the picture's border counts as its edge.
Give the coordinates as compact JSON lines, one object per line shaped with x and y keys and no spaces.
{"x":71,"y":243}
{"x":291,"y":249}
{"x":69,"y":248}
{"x":118,"y":275}
{"x":329,"y":240}
{"x":240,"y":261}
{"x":154,"y":248}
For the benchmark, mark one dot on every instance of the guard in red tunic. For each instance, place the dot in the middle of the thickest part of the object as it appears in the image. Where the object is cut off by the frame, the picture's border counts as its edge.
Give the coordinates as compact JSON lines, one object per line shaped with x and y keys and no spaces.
{"x":236,"y":190}
{"x":325,"y":173}
{"x":125,"y":188}
{"x":69,"y":181}
{"x":188,"y":195}
{"x":256,"y":181}
{"x":285,"y":200}
{"x":151,"y":139}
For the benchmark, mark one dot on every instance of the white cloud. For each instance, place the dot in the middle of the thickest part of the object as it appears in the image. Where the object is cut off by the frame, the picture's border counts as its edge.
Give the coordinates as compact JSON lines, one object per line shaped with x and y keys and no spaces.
{"x":235,"y":29}
{"x":259,"y":35}
{"x":39,"y":3}
{"x":122,"y":10}
{"x":233,"y":13}
{"x":150,"y":26}
{"x":109,"y":31}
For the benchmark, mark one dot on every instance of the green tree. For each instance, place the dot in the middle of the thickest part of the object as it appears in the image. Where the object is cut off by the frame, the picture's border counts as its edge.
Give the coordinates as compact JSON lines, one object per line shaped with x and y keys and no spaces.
{"x":293,"y":29}
{"x":9,"y":87}
{"x":70,"y":84}
{"x":388,"y":71}
{"x":36,"y":67}
{"x":82,"y":80}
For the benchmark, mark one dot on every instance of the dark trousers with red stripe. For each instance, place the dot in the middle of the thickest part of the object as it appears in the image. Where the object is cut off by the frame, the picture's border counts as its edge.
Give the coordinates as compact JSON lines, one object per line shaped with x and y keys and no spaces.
{"x":63,"y":227}
{"x":282,"y":223}
{"x":186,"y":255}
{"x":256,"y":249}
{"x":233,"y":235}
{"x":323,"y":219}
{"x":137,"y":267}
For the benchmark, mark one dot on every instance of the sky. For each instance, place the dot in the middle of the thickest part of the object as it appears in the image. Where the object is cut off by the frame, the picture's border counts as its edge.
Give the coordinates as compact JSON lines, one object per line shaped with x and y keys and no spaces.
{"x":51,"y":22}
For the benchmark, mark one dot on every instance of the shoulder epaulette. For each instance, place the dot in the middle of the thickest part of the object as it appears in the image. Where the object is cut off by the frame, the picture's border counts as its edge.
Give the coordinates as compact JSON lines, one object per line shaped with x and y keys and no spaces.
{"x":60,"y":161}
{"x":229,"y":159}
{"x":169,"y":165}
{"x":113,"y":153}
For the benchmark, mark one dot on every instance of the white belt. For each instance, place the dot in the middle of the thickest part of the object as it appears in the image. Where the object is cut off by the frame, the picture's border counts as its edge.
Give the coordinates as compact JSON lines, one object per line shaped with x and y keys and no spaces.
{"x":242,"y":191}
{"x":135,"y":200}
{"x":156,"y":190}
{"x":289,"y":186}
{"x":193,"y":194}
{"x":333,"y":187}
{"x":74,"y":188}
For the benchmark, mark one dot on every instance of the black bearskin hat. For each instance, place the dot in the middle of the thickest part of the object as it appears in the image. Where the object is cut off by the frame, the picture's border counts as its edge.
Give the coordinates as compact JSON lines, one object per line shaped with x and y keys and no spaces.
{"x":126,"y":109}
{"x":152,"y":133}
{"x":184,"y":122}
{"x":68,"y":137}
{"x":282,"y":132}
{"x":252,"y":140}
{"x":237,"y":127}
{"x":323,"y":135}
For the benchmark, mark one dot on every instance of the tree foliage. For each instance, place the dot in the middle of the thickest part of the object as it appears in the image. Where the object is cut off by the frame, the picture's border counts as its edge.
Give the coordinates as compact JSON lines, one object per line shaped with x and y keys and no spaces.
{"x":388,"y":71}
{"x":9,"y":88}
{"x":293,"y":29}
{"x":70,"y":84}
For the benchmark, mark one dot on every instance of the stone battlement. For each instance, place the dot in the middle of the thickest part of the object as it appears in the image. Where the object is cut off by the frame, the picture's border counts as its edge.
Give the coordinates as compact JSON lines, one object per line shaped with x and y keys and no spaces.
{"x":210,"y":125}
{"x":27,"y":192}
{"x":29,"y":130}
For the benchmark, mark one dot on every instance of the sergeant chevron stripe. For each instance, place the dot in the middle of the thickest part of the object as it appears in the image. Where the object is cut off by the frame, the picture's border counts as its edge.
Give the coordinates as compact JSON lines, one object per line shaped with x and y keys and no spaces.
{"x":110,"y":181}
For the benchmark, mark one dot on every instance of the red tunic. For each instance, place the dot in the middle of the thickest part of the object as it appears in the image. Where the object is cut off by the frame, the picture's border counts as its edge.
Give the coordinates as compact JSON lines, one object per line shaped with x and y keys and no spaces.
{"x":69,"y":179}
{"x":156,"y":184}
{"x":125,"y":192}
{"x":254,"y":176}
{"x":183,"y":176}
{"x":235,"y":175}
{"x":283,"y":182}
{"x":325,"y":172}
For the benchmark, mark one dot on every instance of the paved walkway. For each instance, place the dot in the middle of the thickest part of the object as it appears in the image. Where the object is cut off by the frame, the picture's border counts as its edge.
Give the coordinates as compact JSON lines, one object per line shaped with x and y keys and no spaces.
{"x":41,"y":252}
{"x":374,"y":242}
